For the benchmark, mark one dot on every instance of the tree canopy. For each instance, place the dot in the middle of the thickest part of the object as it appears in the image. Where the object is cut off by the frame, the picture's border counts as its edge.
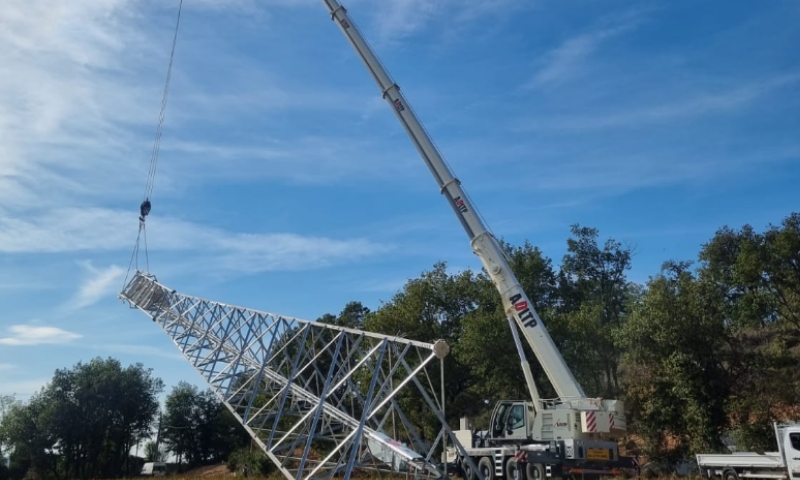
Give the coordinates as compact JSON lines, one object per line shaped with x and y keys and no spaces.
{"x":84,"y":423}
{"x":705,"y":348}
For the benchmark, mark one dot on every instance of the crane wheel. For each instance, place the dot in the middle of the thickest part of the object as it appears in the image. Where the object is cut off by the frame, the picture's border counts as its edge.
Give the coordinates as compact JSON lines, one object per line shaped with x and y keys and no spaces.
{"x":514,"y":470}
{"x":534,"y":471}
{"x":486,"y":468}
{"x":469,"y":473}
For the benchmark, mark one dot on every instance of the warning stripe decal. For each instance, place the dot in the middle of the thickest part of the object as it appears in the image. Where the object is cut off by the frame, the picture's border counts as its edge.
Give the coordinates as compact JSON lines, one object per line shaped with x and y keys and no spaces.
{"x":591,"y":422}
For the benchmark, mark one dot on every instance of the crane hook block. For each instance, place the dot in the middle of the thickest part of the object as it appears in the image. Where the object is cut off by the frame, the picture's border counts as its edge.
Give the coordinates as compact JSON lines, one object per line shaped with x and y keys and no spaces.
{"x":144,"y":209}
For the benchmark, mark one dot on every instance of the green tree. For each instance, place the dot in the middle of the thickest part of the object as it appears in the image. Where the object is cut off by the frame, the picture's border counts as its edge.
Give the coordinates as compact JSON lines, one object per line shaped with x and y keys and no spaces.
{"x":757,"y":277}
{"x":760,"y":273}
{"x":427,"y":308}
{"x":679,"y":352}
{"x":154,"y":452}
{"x":180,"y":422}
{"x":228,"y":434}
{"x":430,"y":308}
{"x":98,"y":411}
{"x":593,"y":301}
{"x":486,"y":334}
{"x":252,"y":461}
{"x":24,"y":435}
{"x":84,"y":423}
{"x":351,"y":316}
{"x":6,"y":402}
{"x":198,"y":428}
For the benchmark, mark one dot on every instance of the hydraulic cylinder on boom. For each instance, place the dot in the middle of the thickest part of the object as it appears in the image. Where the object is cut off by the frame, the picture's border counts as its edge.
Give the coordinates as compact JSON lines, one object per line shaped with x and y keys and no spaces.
{"x":570,"y":429}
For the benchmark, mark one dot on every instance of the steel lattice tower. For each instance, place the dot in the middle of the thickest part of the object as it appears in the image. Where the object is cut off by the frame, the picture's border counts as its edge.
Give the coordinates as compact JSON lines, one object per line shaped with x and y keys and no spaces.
{"x":320,"y":400}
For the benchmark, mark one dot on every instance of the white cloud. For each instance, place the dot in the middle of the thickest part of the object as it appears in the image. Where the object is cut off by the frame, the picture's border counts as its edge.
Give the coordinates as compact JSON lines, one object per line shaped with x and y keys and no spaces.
{"x":81,"y":104}
{"x":67,"y":229}
{"x":395,"y":20}
{"x":22,"y":388}
{"x":22,"y":285}
{"x":382,"y":286}
{"x":101,"y":283}
{"x":7,"y":366}
{"x":142,"y":350}
{"x":402,"y":17}
{"x":97,"y":229}
{"x":255,"y":253}
{"x":569,"y":58}
{"x":606,"y":172}
{"x":69,"y":105}
{"x":696,"y":105}
{"x":35,"y":335}
{"x":304,"y":160}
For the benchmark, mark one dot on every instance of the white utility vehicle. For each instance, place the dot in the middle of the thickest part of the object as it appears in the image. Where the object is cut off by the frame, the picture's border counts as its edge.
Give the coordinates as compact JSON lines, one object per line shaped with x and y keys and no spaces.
{"x":154,"y":469}
{"x":783,"y":464}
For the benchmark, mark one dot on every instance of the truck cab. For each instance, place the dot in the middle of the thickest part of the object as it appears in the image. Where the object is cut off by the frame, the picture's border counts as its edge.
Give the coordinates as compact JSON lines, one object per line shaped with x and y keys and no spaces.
{"x":511,"y":421}
{"x":791,"y":449}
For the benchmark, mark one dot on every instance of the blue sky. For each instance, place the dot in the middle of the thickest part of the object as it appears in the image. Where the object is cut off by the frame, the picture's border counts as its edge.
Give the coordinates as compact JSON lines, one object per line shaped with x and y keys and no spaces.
{"x":286,"y":184}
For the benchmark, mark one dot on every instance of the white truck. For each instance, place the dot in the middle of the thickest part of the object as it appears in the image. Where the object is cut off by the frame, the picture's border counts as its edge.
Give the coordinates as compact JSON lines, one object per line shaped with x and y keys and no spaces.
{"x":783,"y":464}
{"x":154,"y":469}
{"x":533,"y":438}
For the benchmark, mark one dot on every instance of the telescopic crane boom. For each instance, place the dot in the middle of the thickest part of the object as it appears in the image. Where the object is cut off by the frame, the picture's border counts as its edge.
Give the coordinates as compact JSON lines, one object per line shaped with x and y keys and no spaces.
{"x":516,"y":303}
{"x":526,"y":440}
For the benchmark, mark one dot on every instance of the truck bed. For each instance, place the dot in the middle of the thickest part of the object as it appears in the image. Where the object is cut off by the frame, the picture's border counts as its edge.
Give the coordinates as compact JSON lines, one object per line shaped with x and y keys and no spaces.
{"x":741,"y":459}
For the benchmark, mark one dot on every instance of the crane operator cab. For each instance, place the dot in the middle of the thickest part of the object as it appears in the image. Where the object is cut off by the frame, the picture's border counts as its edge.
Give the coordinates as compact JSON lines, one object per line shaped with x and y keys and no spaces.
{"x":510,"y":421}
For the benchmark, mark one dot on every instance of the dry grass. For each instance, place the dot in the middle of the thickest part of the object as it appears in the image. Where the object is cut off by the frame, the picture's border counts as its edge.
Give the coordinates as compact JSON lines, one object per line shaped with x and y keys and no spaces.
{"x":277,"y":476}
{"x":274,"y":476}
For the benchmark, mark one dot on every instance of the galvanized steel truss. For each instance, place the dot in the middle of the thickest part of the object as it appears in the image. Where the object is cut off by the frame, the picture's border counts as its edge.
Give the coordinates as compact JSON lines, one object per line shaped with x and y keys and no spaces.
{"x":272,"y":371}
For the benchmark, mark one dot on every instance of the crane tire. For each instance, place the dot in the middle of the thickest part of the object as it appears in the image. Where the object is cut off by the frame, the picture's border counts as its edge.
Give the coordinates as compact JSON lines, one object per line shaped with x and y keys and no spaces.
{"x":469,"y":473}
{"x":486,"y":467}
{"x":514,"y":471}
{"x":534,"y":471}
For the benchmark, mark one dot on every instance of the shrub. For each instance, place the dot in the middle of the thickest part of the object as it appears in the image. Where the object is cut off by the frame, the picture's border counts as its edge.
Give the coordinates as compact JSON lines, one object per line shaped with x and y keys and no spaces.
{"x":255,"y":460}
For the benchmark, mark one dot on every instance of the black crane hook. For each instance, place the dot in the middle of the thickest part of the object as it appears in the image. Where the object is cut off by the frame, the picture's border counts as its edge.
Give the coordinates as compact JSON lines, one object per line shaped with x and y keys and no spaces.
{"x":144,"y":209}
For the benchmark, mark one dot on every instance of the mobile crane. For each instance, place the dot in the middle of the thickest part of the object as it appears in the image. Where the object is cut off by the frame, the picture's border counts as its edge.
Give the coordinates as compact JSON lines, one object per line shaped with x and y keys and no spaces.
{"x":533,"y":438}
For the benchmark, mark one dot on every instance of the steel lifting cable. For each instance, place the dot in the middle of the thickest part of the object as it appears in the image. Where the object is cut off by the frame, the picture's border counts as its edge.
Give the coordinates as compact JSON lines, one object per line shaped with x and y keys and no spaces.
{"x":145,"y":207}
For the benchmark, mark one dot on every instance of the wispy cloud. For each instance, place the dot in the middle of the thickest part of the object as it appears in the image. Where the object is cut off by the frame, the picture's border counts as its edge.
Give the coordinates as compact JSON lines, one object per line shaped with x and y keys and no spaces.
{"x":604,"y":173}
{"x":7,"y":366}
{"x":97,"y":229}
{"x":101,"y":282}
{"x":22,"y":285}
{"x":80,"y":107}
{"x":313,"y":160}
{"x":396,"y":20}
{"x":35,"y":335}
{"x":568,"y":60}
{"x":70,"y":104}
{"x":143,"y":350}
{"x":391,"y":286}
{"x":692,"y":106}
{"x":22,"y":388}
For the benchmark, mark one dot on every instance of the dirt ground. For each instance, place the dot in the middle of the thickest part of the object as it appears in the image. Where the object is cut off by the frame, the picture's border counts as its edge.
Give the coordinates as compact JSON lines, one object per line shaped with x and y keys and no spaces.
{"x":217,"y":471}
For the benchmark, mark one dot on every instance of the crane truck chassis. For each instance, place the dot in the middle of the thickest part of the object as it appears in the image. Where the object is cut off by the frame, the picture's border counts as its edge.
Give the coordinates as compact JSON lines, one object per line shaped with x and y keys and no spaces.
{"x":508,"y":450}
{"x":536,"y":438}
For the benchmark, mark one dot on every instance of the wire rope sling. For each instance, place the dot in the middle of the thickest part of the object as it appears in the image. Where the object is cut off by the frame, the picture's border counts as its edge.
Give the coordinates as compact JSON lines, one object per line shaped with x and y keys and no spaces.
{"x":146,"y":206}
